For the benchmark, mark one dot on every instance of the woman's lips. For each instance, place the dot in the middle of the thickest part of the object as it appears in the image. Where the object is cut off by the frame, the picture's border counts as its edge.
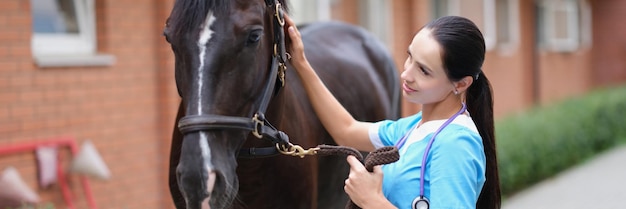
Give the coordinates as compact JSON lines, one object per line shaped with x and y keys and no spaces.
{"x":407,"y":89}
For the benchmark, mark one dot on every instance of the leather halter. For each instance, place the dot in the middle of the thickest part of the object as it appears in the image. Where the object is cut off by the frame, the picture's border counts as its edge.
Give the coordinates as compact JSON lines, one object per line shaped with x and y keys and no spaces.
{"x":258,"y":125}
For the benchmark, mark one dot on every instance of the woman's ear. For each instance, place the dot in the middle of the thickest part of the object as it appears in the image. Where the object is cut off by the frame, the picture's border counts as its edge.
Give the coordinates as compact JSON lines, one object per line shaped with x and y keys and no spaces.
{"x":463,"y":84}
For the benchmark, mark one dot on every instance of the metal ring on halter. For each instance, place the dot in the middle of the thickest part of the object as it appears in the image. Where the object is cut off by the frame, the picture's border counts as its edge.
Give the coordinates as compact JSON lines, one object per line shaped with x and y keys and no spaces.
{"x":281,"y":21}
{"x":258,"y":124}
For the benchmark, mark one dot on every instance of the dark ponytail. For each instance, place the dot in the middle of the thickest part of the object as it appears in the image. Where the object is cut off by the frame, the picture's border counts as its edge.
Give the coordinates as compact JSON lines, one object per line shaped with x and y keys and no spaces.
{"x":463,"y":55}
{"x":480,"y":105}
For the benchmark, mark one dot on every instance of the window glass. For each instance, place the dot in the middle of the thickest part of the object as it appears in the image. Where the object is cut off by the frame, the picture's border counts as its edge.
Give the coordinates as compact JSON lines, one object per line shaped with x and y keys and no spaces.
{"x":54,"y":16}
{"x":561,"y":26}
{"x":503,"y":19}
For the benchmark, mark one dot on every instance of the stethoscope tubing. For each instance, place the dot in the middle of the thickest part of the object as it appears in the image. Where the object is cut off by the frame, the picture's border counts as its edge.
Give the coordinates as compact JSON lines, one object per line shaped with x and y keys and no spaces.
{"x":401,"y":142}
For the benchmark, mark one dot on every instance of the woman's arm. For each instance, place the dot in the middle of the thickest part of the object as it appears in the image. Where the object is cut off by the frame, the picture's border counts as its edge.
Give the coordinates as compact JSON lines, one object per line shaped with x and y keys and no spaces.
{"x":336,"y":119}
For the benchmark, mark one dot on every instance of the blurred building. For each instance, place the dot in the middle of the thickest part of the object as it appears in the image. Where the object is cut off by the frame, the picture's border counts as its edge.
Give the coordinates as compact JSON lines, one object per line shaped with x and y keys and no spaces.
{"x":539,"y":51}
{"x":100,"y":70}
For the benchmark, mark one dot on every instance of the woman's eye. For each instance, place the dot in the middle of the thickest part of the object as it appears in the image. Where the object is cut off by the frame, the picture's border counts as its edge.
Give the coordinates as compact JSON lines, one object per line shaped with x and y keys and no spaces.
{"x":424,"y":71}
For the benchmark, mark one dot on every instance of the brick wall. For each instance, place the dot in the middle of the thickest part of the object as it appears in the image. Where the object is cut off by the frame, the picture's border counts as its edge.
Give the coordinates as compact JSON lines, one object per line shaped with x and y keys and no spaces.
{"x":126,"y":109}
{"x":609,"y":52}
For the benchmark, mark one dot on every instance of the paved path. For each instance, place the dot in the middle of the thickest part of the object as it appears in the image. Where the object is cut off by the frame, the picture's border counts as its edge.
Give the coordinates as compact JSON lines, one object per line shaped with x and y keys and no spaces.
{"x":599,"y":183}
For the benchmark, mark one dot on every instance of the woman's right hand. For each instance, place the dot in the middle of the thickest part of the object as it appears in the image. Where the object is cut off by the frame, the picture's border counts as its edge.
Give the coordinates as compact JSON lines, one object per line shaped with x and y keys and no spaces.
{"x":297,"y":47}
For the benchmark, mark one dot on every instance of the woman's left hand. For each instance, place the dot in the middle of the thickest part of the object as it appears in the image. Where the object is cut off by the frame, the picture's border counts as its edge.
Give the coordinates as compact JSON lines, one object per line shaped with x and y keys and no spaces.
{"x":363,"y":187}
{"x":297,"y":47}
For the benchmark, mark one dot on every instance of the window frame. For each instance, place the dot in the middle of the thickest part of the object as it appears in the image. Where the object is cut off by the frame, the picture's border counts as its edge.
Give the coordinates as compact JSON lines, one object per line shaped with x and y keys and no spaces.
{"x":84,"y":42}
{"x":489,"y":19}
{"x":578,"y":23}
{"x":513,"y":27}
{"x":305,"y":11}
{"x":71,"y":50}
{"x":377,"y":24}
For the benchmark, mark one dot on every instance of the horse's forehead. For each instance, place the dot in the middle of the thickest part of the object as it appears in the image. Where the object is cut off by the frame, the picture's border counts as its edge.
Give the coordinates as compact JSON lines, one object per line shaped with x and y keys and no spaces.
{"x":243,"y":4}
{"x":247,"y":12}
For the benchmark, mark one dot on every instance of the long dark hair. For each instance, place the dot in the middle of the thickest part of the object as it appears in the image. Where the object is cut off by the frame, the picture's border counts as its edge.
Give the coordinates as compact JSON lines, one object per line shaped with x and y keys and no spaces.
{"x":463,"y":54}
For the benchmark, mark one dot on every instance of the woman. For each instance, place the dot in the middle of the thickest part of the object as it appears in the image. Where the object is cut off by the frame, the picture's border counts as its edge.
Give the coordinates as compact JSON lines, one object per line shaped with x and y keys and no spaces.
{"x":443,"y":74}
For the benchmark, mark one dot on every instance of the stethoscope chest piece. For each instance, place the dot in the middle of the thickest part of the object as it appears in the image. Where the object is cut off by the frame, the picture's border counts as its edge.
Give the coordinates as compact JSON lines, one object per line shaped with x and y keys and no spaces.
{"x":421,"y":202}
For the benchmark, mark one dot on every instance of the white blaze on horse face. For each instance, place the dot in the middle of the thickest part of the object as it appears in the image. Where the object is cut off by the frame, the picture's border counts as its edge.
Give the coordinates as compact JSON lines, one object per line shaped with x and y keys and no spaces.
{"x":205,"y":151}
{"x":206,"y":156}
{"x":205,"y":36}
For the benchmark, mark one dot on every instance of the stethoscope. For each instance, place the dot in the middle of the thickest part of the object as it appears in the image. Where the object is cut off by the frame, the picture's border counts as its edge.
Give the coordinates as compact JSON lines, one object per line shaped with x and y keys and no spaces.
{"x":421,"y":202}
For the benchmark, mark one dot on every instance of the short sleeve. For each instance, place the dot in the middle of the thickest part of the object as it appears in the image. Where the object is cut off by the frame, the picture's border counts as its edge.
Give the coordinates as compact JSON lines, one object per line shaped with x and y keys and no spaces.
{"x":456,"y":169}
{"x":388,"y":132}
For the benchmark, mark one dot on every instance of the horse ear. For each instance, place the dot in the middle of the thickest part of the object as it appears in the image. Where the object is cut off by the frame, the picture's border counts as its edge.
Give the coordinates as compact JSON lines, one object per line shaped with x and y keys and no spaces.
{"x":89,"y":162}
{"x":13,"y":190}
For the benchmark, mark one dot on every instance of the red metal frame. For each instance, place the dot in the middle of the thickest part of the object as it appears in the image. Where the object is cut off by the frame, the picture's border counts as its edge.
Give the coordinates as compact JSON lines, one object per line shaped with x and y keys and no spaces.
{"x":59,"y":142}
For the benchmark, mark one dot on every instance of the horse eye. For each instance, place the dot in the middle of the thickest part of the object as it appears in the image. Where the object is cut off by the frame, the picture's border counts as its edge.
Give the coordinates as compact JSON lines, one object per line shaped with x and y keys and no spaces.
{"x":254,"y":36}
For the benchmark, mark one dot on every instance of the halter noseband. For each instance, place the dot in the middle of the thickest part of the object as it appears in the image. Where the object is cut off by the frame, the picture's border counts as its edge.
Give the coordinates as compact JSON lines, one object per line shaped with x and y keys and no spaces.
{"x":258,"y":125}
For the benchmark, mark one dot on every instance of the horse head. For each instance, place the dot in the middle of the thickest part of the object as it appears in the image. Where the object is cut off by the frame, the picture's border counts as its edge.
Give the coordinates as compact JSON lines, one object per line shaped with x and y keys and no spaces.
{"x":225,"y":69}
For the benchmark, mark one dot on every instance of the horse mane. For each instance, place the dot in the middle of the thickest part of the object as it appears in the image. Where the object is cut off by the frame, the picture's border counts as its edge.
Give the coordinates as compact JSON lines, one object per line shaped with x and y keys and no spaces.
{"x":188,"y":15}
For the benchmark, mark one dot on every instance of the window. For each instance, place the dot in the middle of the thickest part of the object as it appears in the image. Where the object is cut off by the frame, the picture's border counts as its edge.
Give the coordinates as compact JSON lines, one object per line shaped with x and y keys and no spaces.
{"x":374,"y":16}
{"x":305,"y":11}
{"x":498,"y":20}
{"x":564,"y":25}
{"x":507,"y":25}
{"x":481,"y":12}
{"x":64,"y":33}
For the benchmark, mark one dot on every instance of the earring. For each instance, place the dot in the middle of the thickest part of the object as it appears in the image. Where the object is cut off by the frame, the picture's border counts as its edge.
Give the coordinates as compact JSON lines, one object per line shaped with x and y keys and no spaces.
{"x":456,"y":92}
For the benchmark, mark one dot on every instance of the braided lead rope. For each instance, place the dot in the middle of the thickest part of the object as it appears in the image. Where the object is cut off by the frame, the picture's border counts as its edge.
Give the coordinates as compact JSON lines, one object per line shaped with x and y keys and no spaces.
{"x":339,"y":150}
{"x":380,"y":156}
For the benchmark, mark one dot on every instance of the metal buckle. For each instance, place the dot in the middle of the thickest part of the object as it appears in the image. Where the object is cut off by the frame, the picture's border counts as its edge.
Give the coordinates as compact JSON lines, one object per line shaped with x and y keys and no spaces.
{"x":278,"y":15}
{"x":258,"y":124}
{"x":296,"y":150}
{"x":282,"y":68}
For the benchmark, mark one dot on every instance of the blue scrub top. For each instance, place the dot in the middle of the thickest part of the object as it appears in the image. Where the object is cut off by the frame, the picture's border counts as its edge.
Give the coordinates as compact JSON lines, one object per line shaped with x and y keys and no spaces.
{"x":455,"y":168}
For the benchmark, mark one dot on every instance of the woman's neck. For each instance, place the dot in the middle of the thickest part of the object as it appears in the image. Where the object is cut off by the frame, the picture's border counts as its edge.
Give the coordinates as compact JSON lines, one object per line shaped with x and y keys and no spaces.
{"x":440,"y":110}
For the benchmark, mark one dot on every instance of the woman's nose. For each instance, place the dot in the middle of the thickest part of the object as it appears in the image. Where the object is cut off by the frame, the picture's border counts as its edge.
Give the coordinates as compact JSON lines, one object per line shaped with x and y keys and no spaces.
{"x":405,"y":76}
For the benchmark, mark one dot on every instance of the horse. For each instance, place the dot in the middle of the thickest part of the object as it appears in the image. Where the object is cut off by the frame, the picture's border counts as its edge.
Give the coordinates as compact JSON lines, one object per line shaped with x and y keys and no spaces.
{"x":241,"y":107}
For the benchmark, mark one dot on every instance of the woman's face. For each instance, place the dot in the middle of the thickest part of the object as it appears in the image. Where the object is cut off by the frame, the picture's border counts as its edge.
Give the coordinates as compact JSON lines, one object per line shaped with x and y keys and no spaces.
{"x":424,"y":79}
